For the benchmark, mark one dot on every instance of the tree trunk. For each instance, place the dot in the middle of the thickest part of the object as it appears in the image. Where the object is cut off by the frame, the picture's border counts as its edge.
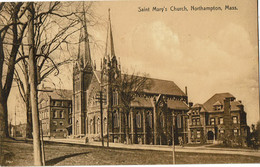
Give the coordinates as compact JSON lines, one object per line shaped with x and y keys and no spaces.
{"x":3,"y":118}
{"x":33,"y":88}
{"x":127,"y":127}
{"x":29,"y":118}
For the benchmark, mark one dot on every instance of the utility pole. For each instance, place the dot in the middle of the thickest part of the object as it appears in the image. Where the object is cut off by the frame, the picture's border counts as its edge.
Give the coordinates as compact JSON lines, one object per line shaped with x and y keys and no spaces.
{"x":15,"y":121}
{"x":173,"y":145}
{"x":100,"y":98}
{"x":33,"y":88}
{"x":42,"y":144}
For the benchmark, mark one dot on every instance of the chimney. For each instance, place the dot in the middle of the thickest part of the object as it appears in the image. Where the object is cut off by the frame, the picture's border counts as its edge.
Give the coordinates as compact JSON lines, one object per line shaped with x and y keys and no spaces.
{"x":227,"y":106}
{"x":227,"y":117}
{"x":190,"y":104}
{"x":186,"y":91}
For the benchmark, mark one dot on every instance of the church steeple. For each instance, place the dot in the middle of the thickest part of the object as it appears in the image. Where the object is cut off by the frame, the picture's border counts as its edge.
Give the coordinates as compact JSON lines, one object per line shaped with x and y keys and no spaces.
{"x":110,"y":50}
{"x":84,"y":55}
{"x":110,"y":63}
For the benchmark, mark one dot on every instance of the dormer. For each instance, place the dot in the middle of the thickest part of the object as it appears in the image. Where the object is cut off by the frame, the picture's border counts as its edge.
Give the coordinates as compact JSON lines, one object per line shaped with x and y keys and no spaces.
{"x":217,"y":106}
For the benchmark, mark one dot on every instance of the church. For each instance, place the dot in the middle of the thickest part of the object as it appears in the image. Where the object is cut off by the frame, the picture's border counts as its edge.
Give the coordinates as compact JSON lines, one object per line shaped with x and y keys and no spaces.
{"x":157,"y":116}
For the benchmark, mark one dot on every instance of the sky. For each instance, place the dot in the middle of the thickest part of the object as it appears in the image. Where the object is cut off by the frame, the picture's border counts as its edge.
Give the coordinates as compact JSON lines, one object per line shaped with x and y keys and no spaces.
{"x":209,"y":52}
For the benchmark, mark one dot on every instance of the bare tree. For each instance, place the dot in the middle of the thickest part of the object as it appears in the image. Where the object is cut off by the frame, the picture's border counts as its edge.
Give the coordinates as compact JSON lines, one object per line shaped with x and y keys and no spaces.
{"x":48,"y":47}
{"x":12,"y":30}
{"x":128,"y":88}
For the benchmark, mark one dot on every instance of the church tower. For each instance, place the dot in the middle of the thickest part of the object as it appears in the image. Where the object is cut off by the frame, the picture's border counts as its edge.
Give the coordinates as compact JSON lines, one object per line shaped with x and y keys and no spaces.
{"x":110,"y":70}
{"x":82,"y":75}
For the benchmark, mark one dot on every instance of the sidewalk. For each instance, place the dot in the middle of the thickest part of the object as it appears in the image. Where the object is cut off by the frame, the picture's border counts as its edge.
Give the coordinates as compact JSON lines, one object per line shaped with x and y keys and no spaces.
{"x":199,"y":149}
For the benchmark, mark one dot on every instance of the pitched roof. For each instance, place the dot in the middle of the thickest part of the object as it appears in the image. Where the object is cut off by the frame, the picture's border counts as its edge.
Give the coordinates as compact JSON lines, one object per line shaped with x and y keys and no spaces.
{"x":219,"y":99}
{"x":159,"y":86}
{"x":177,"y":105}
{"x":197,"y":105}
{"x":164,"y":87}
{"x":141,"y":102}
{"x":58,"y":94}
{"x":147,"y":102}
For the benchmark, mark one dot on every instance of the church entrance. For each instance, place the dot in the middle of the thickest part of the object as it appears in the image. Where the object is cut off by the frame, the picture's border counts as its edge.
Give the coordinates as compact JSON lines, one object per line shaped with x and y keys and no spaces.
{"x":210,"y":135}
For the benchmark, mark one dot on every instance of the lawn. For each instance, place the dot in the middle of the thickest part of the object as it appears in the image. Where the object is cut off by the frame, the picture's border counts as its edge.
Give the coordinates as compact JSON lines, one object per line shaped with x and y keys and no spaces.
{"x":18,"y":153}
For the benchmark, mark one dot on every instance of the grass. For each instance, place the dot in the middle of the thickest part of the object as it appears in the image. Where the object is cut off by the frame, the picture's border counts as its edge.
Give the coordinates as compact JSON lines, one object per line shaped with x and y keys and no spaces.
{"x":18,"y":153}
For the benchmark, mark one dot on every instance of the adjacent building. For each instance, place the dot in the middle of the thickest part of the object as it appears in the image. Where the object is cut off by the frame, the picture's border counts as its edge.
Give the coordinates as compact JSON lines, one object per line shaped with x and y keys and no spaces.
{"x":55,"y":112}
{"x":220,"y":119}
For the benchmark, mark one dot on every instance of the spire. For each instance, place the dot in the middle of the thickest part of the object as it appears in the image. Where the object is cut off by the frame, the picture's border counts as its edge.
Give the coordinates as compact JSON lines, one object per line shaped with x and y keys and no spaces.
{"x":110,"y":51}
{"x":84,"y":49}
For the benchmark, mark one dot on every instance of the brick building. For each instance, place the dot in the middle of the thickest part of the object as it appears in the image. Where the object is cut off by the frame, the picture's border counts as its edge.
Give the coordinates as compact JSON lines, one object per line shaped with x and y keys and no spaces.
{"x":220,"y":119}
{"x":151,"y":114}
{"x":55,"y":112}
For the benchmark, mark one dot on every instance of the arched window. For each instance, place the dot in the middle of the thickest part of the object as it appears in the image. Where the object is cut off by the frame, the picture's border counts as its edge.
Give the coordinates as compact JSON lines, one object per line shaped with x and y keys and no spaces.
{"x":46,"y":112}
{"x":138,"y":120}
{"x":149,"y":118}
{"x":115,"y":119}
{"x":98,"y":126}
{"x":77,"y":127}
{"x":179,"y":121}
{"x":162,"y":120}
{"x":94,"y":125}
{"x":115,"y":98}
{"x":91,"y":126}
{"x":105,"y":125}
{"x":61,"y":114}
{"x":55,"y":114}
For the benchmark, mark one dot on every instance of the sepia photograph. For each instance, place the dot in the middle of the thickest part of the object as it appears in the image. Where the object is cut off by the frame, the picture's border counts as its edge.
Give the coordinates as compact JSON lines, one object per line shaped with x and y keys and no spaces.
{"x":140,"y":82}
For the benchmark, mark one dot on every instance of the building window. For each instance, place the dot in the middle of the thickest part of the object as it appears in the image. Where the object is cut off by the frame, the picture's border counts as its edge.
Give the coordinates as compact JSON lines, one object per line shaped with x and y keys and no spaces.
{"x":212,"y":121}
{"x":192,"y":134}
{"x":161,"y":120}
{"x":115,"y":98}
{"x":91,"y":126}
{"x":193,"y":121}
{"x":46,"y":112}
{"x":61,"y":123}
{"x":98,"y":126}
{"x":105,"y":125}
{"x":235,"y":120}
{"x":198,"y":121}
{"x":115,"y":119}
{"x":58,"y":103}
{"x":55,"y":114}
{"x":179,"y":121}
{"x":54,"y":123}
{"x":138,"y":120}
{"x":221,"y":121}
{"x":235,"y":132}
{"x":198,"y":133}
{"x":221,"y":131}
{"x":61,"y":114}
{"x":150,"y":123}
{"x":77,"y":102}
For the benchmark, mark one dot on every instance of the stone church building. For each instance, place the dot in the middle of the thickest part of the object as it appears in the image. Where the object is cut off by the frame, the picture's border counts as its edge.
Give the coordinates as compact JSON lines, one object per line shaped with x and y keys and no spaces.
{"x":153,"y":117}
